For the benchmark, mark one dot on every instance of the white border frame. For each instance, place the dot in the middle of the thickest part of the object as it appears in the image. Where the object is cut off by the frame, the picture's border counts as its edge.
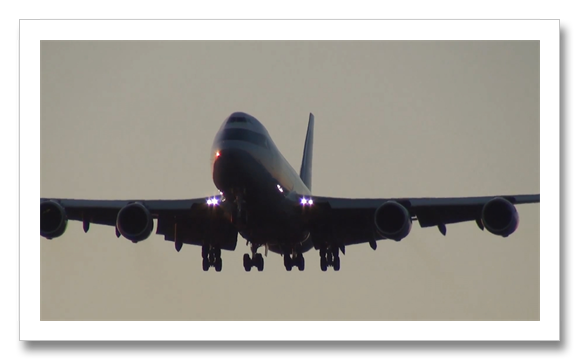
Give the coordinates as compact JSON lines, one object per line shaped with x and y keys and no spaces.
{"x":32,"y":31}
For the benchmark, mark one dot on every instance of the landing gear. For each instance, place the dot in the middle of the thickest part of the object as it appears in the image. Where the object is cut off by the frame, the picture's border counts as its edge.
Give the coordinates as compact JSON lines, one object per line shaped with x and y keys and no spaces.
{"x":256,"y":260}
{"x":239,"y":215}
{"x":211,"y":256}
{"x":296,"y":259}
{"x":323,"y":261}
{"x":329,"y":258}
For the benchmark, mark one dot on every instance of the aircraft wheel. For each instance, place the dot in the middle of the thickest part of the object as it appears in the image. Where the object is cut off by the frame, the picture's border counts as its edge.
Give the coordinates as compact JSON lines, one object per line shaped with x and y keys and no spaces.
{"x":247,"y":262}
{"x":218,"y":265}
{"x":336,"y":263}
{"x":288,"y":262}
{"x":259,"y":262}
{"x":300,"y":262}
{"x":205,"y":264}
{"x":323,"y":264}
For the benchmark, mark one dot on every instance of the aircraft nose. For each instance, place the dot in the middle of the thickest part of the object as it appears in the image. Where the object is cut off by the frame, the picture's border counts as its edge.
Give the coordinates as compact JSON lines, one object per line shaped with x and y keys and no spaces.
{"x":230,"y":167}
{"x":227,"y":160}
{"x":222,"y":155}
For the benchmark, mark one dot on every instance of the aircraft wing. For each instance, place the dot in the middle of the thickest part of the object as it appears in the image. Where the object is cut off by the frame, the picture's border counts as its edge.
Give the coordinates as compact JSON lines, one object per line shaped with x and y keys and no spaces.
{"x":189,"y":221}
{"x":353,"y":221}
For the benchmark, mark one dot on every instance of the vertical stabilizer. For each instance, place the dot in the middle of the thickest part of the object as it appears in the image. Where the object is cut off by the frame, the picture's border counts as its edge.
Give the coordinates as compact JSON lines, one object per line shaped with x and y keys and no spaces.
{"x":306,"y":167}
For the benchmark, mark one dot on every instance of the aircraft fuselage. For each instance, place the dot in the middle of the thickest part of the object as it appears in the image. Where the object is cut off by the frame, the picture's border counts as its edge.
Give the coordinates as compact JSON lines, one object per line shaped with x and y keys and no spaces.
{"x":259,"y":184}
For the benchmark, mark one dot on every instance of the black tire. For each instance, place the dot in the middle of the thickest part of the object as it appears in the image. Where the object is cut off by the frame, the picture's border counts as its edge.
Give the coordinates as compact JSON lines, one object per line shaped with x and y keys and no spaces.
{"x":323,"y":264}
{"x":204,"y":251}
{"x":247,"y":262}
{"x":336,"y":263}
{"x":259,"y":262}
{"x":300,"y":262}
{"x":218,"y":265}
{"x":205,"y":264}
{"x":288,"y":262}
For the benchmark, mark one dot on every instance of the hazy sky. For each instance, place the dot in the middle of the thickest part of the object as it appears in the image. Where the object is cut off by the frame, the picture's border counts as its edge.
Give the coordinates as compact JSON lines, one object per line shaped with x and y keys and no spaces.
{"x":122,"y":120}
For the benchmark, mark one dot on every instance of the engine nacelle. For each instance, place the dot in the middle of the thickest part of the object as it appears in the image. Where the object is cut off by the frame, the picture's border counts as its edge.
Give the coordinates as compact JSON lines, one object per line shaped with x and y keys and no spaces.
{"x":53,"y":219}
{"x":393,"y":221}
{"x":500,"y":217}
{"x":135,"y":222}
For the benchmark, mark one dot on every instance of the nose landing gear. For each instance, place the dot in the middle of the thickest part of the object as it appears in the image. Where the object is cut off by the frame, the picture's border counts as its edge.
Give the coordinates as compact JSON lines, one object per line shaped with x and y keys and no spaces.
{"x":294,"y":259}
{"x":239,"y":216}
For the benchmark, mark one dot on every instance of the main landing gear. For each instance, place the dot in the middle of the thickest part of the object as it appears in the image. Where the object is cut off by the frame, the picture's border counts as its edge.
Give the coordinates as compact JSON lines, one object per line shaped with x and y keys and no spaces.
{"x":256,"y":260}
{"x":329,"y":258}
{"x":294,"y":259}
{"x":211,"y":257}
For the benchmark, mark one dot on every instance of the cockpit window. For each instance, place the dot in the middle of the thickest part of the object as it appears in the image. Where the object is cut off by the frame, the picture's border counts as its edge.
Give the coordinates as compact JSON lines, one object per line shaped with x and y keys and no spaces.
{"x":237,"y":120}
{"x":244,"y":135}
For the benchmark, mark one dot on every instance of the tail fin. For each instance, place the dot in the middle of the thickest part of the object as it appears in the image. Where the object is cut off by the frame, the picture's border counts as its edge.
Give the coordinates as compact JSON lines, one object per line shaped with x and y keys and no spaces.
{"x":306,"y":167}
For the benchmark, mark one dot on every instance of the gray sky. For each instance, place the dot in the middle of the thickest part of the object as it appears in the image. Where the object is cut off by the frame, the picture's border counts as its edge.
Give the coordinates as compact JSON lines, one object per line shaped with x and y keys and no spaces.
{"x":122,"y":120}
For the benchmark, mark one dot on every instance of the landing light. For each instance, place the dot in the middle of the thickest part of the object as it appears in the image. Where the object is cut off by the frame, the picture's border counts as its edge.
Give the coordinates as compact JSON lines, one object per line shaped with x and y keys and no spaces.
{"x":280,"y":188}
{"x":304,"y":202}
{"x":217,"y":154}
{"x":212,"y":201}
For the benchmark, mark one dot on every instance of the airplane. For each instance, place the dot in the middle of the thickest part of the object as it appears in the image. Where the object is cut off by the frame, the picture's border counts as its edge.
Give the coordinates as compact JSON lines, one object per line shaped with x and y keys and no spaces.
{"x":264,"y":200}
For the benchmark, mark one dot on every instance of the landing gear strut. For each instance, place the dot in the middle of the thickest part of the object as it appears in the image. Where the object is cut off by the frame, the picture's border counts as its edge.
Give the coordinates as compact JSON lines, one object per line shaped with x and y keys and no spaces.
{"x":256,"y":260}
{"x":211,"y":257}
{"x":294,"y":259}
{"x":329,"y":257}
{"x":239,"y":215}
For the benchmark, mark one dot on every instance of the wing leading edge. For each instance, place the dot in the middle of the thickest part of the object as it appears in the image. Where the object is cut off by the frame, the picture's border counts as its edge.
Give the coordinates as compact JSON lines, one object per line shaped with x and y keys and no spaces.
{"x":352,"y":221}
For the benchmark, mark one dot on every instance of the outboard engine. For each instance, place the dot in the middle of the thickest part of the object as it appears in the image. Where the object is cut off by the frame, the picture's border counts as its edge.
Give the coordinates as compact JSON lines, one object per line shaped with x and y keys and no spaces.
{"x":53,"y":219}
{"x":500,"y":217}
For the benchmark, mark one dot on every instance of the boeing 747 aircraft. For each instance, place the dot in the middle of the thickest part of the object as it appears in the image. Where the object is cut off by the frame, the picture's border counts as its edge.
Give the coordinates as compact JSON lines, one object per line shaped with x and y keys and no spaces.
{"x":264,"y":200}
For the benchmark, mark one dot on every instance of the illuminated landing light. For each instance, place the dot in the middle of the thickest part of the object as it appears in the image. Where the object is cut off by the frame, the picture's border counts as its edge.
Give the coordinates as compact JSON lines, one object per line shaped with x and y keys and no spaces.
{"x":310,"y":202}
{"x":306,"y":202}
{"x":217,"y":154}
{"x":212,"y":201}
{"x":280,"y":188}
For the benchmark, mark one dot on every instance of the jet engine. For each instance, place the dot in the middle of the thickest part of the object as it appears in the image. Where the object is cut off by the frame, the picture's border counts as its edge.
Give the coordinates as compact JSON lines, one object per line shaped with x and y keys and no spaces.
{"x":135,"y":222}
{"x":393,"y":221}
{"x":500,"y":217}
{"x":53,"y":219}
